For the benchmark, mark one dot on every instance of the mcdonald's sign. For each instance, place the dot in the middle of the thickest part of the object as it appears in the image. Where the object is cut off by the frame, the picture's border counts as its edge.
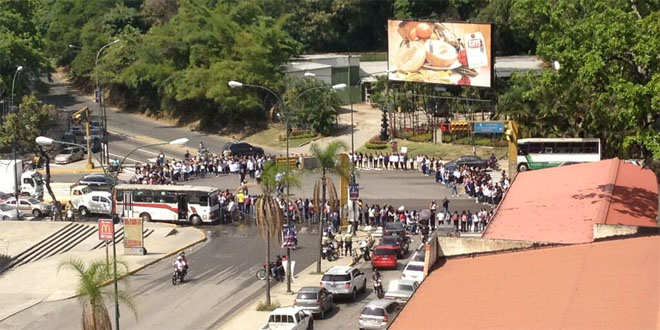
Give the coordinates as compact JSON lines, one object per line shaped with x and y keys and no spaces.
{"x":106,"y":229}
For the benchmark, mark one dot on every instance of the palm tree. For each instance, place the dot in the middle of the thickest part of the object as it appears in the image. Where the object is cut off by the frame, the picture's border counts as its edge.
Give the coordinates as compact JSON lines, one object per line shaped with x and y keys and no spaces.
{"x":269,"y":215}
{"x":90,"y":291}
{"x":329,"y":162}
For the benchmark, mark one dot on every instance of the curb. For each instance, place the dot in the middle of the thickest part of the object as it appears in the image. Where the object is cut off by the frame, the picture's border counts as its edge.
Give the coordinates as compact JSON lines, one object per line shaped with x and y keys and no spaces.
{"x":167,"y":255}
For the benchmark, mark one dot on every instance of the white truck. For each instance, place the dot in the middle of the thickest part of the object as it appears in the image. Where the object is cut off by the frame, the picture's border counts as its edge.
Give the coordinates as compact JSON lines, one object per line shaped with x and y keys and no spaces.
{"x":289,"y":318}
{"x":30,"y":183}
{"x":93,"y":202}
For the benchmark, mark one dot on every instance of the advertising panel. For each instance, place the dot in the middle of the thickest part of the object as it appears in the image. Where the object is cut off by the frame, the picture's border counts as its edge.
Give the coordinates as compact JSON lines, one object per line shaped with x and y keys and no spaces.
{"x":133,"y":233}
{"x":106,"y":229}
{"x":440,"y":53}
{"x":489,"y":127}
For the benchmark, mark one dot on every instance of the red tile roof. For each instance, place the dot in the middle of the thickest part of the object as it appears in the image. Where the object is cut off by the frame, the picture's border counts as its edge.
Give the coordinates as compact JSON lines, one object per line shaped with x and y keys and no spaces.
{"x":561,"y":204}
{"x":603,"y":285}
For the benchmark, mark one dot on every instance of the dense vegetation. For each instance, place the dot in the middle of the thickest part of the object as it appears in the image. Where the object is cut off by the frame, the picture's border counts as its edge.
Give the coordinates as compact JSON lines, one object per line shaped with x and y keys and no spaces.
{"x":175,"y":57}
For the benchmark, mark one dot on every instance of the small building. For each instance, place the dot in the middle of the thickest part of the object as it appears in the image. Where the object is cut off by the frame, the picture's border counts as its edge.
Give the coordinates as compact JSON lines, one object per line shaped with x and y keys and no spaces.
{"x":332,"y":69}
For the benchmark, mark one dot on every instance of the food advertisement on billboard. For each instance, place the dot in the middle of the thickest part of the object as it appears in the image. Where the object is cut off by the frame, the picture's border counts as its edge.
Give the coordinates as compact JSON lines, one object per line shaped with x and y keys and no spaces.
{"x":440,"y":53}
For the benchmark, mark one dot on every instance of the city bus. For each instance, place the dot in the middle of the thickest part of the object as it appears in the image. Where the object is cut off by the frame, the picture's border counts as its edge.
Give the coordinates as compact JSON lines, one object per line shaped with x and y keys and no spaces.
{"x":537,"y":153}
{"x":194,"y":204}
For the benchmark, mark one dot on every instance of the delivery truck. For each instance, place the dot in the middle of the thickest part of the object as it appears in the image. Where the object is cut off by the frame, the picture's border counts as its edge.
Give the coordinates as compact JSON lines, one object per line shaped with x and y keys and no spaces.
{"x":30,"y":182}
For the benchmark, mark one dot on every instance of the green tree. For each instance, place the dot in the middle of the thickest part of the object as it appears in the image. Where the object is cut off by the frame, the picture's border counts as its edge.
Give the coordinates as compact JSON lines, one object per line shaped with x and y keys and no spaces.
{"x":269,"y":217}
{"x":330,"y":161}
{"x":312,"y":104}
{"x":607,"y":84}
{"x":90,"y":291}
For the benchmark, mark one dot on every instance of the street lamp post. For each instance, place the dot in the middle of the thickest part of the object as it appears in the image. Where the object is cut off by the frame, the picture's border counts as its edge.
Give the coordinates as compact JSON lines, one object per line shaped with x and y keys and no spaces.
{"x":46,"y":142}
{"x":11,"y":106}
{"x":236,"y":84}
{"x":99,"y":96}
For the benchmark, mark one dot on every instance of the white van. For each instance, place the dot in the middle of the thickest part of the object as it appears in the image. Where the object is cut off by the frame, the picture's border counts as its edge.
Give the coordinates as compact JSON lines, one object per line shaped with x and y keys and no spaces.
{"x":94,"y":202}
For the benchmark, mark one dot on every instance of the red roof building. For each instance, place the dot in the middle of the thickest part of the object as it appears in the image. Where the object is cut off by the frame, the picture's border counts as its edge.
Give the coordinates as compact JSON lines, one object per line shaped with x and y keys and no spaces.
{"x":562,"y":204}
{"x":603,"y":285}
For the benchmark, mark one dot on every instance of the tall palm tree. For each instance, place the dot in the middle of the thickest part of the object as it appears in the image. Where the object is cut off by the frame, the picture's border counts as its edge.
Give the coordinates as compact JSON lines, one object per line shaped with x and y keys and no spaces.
{"x":269,"y":215}
{"x":329,"y":162}
{"x":90,"y":291}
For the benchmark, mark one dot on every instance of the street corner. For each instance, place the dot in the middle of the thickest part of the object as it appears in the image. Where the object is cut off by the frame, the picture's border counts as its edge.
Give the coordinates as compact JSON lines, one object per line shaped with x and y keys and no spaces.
{"x":151,"y":140}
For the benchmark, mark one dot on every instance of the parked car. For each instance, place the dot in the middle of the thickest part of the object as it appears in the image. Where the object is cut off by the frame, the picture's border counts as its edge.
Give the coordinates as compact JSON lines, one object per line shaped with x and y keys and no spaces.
{"x":242,"y":149}
{"x":398,"y":242}
{"x":94,"y":202}
{"x":289,"y":318}
{"x":8,"y":213}
{"x":76,"y":130}
{"x":69,"y":154}
{"x":378,"y":314}
{"x":5,"y":196}
{"x":400,"y":290}
{"x":344,"y":280}
{"x":414,"y":270}
{"x":420,"y":255}
{"x":384,"y":256}
{"x":97,"y":180}
{"x":314,"y":300}
{"x":472,"y":161}
{"x":30,"y":205}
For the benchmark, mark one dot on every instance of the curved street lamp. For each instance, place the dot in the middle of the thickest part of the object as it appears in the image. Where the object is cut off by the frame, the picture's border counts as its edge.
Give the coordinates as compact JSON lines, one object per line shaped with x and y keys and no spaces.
{"x":99,"y":95}
{"x":16,"y":178}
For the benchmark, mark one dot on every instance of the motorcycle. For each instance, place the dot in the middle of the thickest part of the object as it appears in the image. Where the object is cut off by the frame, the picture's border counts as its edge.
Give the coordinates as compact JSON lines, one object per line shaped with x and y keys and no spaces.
{"x":262,"y":273}
{"x":364,"y":250}
{"x":329,"y":252}
{"x":178,"y":276}
{"x":378,"y":288}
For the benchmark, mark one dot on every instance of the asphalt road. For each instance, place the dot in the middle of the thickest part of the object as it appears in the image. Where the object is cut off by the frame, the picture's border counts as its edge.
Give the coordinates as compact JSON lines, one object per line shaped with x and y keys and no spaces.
{"x":345,"y":316}
{"x":221,"y":280}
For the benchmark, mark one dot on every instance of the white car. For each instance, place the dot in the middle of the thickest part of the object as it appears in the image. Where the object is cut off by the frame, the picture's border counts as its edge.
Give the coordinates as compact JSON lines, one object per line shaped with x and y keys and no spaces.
{"x":400,"y":290}
{"x":97,"y":202}
{"x":289,"y":318}
{"x":414,"y":270}
{"x":344,"y":280}
{"x":69,"y":154}
{"x":30,"y":205}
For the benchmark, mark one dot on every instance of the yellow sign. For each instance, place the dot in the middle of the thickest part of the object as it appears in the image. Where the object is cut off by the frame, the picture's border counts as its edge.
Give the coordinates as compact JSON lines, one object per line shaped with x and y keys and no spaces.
{"x":133,"y":237}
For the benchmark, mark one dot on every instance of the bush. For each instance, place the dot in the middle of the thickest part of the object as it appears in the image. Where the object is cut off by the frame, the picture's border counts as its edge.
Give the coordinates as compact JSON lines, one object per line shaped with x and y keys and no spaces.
{"x":478,"y":140}
{"x":426,"y":137}
{"x":262,"y":307}
{"x":298,"y":135}
{"x":375,"y":146}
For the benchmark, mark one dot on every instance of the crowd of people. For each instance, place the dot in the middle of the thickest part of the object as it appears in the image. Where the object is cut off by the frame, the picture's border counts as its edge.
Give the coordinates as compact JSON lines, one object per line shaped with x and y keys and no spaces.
{"x":172,"y":171}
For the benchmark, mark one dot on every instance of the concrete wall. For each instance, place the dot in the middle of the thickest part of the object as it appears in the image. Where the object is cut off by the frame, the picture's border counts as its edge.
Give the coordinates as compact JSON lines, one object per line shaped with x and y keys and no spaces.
{"x":456,"y":246}
{"x":602,"y":230}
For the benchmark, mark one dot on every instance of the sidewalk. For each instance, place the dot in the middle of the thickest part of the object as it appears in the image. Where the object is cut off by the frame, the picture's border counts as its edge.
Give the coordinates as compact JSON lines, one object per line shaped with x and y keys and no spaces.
{"x":249,"y":318}
{"x":40,"y":281}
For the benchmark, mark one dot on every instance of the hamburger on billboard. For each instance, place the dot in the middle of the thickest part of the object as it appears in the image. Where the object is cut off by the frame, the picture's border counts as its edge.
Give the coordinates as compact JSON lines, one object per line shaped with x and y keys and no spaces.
{"x":440,"y":53}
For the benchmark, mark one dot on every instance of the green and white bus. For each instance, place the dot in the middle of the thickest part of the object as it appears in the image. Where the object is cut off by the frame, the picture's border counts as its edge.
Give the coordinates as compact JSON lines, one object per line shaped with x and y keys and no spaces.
{"x":538,"y":153}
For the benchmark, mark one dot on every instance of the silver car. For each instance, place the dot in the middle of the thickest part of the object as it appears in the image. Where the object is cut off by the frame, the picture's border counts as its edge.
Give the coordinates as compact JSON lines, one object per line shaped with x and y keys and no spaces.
{"x":30,"y":205}
{"x":69,"y":154}
{"x":314,"y":300}
{"x":400,"y":290}
{"x":8,"y":213}
{"x":378,"y":314}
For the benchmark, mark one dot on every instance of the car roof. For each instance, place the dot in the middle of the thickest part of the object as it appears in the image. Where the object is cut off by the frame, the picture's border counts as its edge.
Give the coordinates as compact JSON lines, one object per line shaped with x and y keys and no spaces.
{"x":379,"y":303}
{"x":100,"y":193}
{"x":286,"y":310}
{"x":415,"y":263}
{"x":339,"y":270}
{"x":402,"y":281}
{"x":309,"y":289}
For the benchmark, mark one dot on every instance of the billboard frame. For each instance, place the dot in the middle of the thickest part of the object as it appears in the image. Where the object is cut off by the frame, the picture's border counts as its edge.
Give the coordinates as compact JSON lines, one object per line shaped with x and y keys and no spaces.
{"x":492,"y":51}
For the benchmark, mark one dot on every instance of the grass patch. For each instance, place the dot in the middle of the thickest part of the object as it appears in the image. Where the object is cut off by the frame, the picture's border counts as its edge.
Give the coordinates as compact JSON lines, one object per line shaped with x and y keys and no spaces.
{"x":373,"y":57}
{"x":262,"y":307}
{"x":442,"y":151}
{"x":271,"y":138}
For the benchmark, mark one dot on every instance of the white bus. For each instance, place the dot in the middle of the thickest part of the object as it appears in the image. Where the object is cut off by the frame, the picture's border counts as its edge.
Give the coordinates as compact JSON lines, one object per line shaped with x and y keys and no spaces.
{"x":537,"y":153}
{"x":192,"y":204}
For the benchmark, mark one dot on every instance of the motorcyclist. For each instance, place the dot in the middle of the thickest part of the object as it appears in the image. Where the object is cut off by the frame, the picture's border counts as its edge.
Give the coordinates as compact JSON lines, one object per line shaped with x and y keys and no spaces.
{"x":376,"y":275}
{"x":180,"y":267}
{"x":183,"y":258}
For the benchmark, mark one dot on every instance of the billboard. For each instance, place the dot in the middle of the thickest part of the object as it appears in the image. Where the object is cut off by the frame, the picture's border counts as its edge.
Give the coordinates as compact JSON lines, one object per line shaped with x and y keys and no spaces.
{"x":440,"y":53}
{"x":133,"y":229}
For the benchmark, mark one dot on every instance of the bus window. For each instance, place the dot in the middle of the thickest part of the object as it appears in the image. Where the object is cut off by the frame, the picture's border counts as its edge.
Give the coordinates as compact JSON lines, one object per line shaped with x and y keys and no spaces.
{"x":523,"y":149}
{"x":563,"y":148}
{"x":591,"y":148}
{"x":119,"y":195}
{"x":548,"y":148}
{"x":143,"y":196}
{"x":535,"y":148}
{"x":166,"y":197}
{"x":203,"y":199}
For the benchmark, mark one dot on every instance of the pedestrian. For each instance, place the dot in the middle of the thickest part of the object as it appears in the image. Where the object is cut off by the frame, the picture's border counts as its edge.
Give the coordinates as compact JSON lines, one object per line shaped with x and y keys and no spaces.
{"x":340,"y":243}
{"x":348,"y":244}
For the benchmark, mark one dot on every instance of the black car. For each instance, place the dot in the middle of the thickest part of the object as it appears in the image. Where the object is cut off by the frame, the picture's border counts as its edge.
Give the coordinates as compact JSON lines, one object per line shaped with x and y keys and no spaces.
{"x":242,"y":149}
{"x":472,"y":161}
{"x":97,"y":180}
{"x":394,"y":228}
